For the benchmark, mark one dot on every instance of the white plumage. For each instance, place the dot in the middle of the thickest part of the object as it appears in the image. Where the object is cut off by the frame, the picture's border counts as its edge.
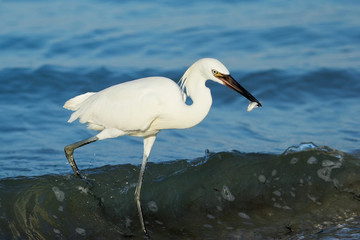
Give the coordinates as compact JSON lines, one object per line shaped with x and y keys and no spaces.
{"x":128,"y":106}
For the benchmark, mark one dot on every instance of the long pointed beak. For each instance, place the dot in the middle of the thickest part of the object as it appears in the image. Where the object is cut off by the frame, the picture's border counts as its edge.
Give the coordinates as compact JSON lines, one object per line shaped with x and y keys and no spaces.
{"x":229,"y":81}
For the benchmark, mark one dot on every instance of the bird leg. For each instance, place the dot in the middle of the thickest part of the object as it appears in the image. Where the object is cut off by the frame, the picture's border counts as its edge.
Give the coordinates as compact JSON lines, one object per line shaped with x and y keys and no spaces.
{"x":69,"y":152}
{"x":138,"y":192}
{"x":148,"y":143}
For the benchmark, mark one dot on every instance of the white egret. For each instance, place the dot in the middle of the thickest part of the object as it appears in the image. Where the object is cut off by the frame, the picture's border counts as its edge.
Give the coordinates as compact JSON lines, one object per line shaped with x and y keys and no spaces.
{"x":145,"y":106}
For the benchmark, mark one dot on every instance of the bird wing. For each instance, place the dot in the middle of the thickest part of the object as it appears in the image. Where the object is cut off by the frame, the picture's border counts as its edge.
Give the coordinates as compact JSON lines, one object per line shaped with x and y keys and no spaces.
{"x":130,"y":106}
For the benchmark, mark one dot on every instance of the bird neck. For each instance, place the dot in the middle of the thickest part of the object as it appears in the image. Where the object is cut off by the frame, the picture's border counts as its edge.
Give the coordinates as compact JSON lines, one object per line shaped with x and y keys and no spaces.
{"x":201,"y":100}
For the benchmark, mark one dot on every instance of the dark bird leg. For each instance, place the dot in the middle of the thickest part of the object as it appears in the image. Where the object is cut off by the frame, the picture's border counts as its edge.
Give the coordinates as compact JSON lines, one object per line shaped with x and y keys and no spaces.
{"x":69,"y":152}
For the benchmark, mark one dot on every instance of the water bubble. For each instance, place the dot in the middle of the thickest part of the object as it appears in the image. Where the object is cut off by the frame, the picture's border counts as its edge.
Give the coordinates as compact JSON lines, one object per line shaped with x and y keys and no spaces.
{"x":312,"y":160}
{"x":153,"y":206}
{"x":286,"y":207}
{"x":294,"y":160}
{"x":127,"y":222}
{"x":80,"y":231}
{"x":208,"y":226}
{"x":60,"y":195}
{"x":327,"y":163}
{"x":83,"y":190}
{"x":324,"y":174}
{"x":277,"y":193}
{"x":262,"y":178}
{"x":243,"y":215}
{"x":226,"y":194}
{"x":277,"y":205}
{"x":312,"y":198}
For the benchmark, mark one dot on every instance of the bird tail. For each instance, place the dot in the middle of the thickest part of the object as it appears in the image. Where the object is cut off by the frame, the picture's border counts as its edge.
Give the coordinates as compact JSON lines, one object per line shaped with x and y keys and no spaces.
{"x":75,"y":102}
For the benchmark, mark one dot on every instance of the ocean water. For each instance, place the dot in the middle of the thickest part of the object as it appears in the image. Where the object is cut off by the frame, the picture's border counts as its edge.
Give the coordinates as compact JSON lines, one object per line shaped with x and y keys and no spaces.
{"x":286,"y":171}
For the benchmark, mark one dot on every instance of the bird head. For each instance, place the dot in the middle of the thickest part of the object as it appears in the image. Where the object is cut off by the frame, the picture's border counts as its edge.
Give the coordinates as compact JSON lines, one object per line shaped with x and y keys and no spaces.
{"x":213,"y":69}
{"x":217,"y":72}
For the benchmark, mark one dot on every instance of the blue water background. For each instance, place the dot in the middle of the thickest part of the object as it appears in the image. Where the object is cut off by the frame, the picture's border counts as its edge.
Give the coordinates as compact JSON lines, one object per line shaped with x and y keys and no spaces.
{"x":299,"y":58}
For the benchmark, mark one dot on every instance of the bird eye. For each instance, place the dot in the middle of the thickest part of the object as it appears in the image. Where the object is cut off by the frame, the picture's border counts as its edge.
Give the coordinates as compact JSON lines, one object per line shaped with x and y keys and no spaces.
{"x":214,"y":72}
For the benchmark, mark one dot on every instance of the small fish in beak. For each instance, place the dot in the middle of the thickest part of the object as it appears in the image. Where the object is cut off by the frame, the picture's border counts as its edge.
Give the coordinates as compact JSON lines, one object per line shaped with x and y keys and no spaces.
{"x":252,"y":105}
